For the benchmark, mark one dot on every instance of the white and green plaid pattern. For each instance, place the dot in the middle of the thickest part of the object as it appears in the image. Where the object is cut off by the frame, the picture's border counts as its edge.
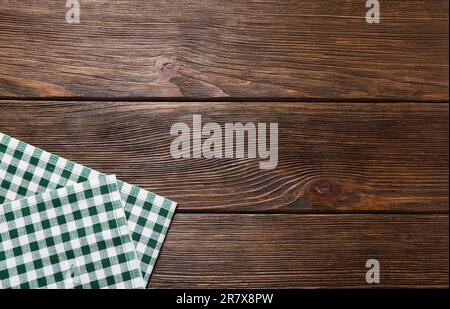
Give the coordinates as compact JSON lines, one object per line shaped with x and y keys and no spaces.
{"x":26,"y":170}
{"x":73,"y":237}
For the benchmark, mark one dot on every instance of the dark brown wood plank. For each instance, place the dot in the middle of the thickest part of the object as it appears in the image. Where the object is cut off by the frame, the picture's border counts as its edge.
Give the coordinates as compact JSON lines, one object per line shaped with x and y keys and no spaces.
{"x":302,"y":251}
{"x":333,"y":157}
{"x":242,"y":49}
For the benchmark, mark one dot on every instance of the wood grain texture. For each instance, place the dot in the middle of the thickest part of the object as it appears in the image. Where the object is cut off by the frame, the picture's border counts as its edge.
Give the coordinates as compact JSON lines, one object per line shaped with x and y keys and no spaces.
{"x":217,"y":49}
{"x":299,"y":251}
{"x":333,"y":157}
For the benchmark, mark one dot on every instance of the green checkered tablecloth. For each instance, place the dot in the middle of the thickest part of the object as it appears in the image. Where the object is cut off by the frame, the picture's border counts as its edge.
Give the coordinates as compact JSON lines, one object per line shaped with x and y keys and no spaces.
{"x":73,"y":237}
{"x":26,"y":170}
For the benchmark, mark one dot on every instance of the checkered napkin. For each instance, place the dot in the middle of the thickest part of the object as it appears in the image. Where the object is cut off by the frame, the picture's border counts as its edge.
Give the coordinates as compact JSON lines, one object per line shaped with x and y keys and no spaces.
{"x":73,"y":237}
{"x":26,"y":170}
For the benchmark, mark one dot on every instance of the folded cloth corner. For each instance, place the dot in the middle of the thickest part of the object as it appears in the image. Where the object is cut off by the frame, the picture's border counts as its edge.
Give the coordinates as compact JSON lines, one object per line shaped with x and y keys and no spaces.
{"x":26,"y":170}
{"x":72,"y":237}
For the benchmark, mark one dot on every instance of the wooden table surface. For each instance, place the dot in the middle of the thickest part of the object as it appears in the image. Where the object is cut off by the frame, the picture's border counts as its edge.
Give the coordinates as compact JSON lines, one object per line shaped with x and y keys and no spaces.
{"x":363,"y":128}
